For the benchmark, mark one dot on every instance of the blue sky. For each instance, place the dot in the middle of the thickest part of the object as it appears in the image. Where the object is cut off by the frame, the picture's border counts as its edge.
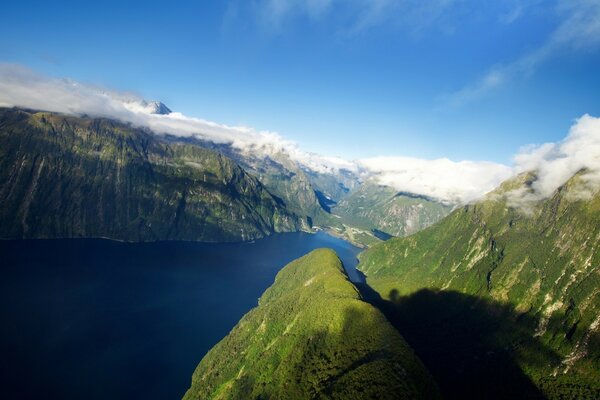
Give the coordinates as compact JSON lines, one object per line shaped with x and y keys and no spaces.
{"x":356,"y":78}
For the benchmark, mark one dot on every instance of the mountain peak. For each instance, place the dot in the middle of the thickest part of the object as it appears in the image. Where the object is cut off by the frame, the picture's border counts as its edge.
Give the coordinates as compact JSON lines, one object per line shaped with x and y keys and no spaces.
{"x":157,"y":107}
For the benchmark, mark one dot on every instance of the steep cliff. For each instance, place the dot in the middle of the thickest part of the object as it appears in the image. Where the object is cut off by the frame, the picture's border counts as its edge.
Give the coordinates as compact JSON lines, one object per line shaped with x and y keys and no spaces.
{"x":65,"y":176}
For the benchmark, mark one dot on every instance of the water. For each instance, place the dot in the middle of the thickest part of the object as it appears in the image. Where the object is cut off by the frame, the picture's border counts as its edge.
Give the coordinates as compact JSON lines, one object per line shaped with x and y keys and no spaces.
{"x":98,"y":319}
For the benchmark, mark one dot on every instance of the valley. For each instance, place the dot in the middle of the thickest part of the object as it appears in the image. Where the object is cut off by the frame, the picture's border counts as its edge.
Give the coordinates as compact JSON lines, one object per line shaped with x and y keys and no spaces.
{"x":449,"y":300}
{"x":300,"y":200}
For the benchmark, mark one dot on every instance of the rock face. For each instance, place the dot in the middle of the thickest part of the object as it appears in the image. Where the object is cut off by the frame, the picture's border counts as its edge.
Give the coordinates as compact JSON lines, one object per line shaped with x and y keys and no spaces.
{"x":310,"y":337}
{"x":531,"y":273}
{"x":66,"y":176}
{"x":373,"y":206}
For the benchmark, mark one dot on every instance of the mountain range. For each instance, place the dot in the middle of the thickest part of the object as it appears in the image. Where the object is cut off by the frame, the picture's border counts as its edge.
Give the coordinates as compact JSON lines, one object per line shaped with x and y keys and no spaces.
{"x":63,"y":176}
{"x":497,"y":301}
{"x":494,"y":298}
{"x":152,"y":186}
{"x":520,"y":284}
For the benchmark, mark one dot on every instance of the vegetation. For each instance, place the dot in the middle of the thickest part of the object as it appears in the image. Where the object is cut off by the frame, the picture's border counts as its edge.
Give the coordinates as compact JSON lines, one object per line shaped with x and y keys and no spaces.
{"x":376,"y":207}
{"x":278,"y":172}
{"x":63,"y":176}
{"x":500,"y":299}
{"x":312,"y":336}
{"x":530,"y":274}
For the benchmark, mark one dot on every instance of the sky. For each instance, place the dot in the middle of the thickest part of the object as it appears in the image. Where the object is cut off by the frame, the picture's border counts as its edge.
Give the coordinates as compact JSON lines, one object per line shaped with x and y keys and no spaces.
{"x":445,"y":98}
{"x":354,"y":78}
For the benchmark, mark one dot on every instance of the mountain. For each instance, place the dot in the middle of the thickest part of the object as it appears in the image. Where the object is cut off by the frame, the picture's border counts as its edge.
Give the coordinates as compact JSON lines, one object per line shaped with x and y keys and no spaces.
{"x":285,"y":179}
{"x":156,"y":107}
{"x":66,"y":176}
{"x":281,"y":175}
{"x":336,"y":199}
{"x":333,"y":186}
{"x":288,"y":186}
{"x":381,"y":208}
{"x":501,"y":290}
{"x":312,"y":336}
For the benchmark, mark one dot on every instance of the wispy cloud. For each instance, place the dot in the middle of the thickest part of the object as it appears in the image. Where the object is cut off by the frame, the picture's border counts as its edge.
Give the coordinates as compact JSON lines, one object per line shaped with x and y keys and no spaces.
{"x":578,"y":30}
{"x":349,"y":17}
{"x":516,"y":9}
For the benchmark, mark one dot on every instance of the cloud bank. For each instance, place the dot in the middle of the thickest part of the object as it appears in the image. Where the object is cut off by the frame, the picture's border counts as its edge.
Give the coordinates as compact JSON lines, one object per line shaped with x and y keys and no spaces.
{"x":465,"y":181}
{"x":556,"y":163}
{"x":442,"y":179}
{"x":20,"y":86}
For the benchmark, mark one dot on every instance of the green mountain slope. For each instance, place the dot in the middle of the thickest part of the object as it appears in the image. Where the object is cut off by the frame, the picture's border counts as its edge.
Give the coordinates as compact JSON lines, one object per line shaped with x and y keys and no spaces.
{"x":310,"y":337}
{"x":532,"y":275}
{"x":373,"y":206}
{"x":333,"y":186}
{"x":278,"y":172}
{"x":286,"y":180}
{"x":66,"y":176}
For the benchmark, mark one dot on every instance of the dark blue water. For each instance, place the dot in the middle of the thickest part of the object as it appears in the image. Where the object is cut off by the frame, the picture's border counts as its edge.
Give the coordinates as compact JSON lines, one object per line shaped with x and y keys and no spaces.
{"x":98,"y":319}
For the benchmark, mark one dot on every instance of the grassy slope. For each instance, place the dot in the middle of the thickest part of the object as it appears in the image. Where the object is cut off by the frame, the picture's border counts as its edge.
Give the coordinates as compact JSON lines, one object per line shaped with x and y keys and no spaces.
{"x":79,"y":177}
{"x":543,"y":268}
{"x":311,"y":337}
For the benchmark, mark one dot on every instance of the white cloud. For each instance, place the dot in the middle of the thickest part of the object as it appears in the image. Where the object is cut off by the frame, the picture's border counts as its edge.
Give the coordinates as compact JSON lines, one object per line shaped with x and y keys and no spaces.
{"x":19,"y":86}
{"x":465,"y":181}
{"x":352,"y":16}
{"x":556,"y":163}
{"x":578,"y":30}
{"x":443,"y":179}
{"x":516,"y":9}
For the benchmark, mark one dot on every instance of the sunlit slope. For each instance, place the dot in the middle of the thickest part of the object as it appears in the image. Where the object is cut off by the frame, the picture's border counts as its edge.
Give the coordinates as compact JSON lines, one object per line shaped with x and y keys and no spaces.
{"x":541,"y":260}
{"x":312,"y":336}
{"x":63,"y":176}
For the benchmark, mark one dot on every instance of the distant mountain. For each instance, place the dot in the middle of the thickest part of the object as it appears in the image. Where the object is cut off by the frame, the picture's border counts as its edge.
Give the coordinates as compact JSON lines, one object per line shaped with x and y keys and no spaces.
{"x":381,"y":208}
{"x":312,"y":337}
{"x":285,"y":179}
{"x":333,"y":186}
{"x":337,"y":200}
{"x":308,"y":184}
{"x":65,"y":176}
{"x":156,"y":107}
{"x":497,"y":292}
{"x":311,"y":188}
{"x":281,"y":175}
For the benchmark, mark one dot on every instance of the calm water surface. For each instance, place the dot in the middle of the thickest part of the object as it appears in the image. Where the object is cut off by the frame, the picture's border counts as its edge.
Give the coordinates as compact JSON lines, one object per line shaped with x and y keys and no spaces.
{"x":98,"y":319}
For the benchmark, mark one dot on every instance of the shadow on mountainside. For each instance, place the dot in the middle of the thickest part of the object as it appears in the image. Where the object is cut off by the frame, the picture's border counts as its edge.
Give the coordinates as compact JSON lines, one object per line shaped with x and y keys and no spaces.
{"x":364,"y":360}
{"x":473,"y":347}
